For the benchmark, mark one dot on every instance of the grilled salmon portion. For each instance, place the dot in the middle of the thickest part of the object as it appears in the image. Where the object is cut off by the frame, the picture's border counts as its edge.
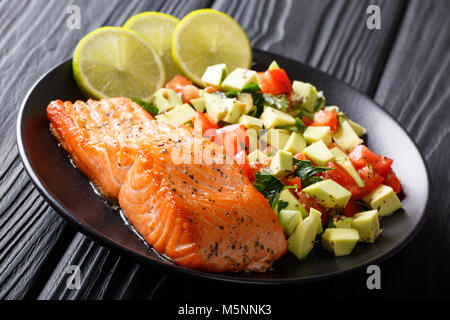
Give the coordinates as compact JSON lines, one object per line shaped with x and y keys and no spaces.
{"x":176,"y":189}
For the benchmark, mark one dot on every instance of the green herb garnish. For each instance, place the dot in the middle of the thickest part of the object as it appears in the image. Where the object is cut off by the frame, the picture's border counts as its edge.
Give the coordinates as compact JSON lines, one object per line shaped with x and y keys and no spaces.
{"x":299,"y":126}
{"x":306,"y":171}
{"x":146,"y":106}
{"x":271,"y":188}
{"x":278,"y":102}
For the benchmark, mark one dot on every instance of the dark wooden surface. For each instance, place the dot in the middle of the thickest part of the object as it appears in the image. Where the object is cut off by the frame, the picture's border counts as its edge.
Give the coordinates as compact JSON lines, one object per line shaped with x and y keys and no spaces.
{"x":405,"y":66}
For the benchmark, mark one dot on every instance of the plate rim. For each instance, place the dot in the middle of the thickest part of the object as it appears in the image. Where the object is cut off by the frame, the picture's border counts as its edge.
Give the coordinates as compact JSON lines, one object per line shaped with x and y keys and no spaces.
{"x":109,"y":242}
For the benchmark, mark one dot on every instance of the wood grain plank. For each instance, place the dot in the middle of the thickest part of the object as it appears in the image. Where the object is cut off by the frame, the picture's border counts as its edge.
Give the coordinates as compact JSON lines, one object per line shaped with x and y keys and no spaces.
{"x":415,"y":89}
{"x":32,"y":236}
{"x":330,"y":35}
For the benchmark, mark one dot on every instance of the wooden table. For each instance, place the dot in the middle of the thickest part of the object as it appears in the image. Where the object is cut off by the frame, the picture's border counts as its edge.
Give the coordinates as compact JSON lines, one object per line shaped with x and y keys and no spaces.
{"x":404,"y":66}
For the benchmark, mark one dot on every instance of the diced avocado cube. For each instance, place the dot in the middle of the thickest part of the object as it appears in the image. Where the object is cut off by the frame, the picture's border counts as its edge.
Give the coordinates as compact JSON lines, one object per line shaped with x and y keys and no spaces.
{"x":342,"y":159}
{"x":274,"y":118}
{"x":214,"y":75}
{"x":295,"y":144}
{"x":253,"y":139}
{"x":250,"y":122}
{"x":359,"y":129}
{"x":301,"y":242}
{"x":234,"y":110}
{"x":238,"y":79}
{"x":289,"y":220}
{"x":246,"y":98}
{"x":199,"y":104}
{"x":282,"y":164}
{"x":277,"y":138}
{"x":383,"y":199}
{"x":165,"y":99}
{"x":215,"y":106}
{"x":314,"y":134}
{"x":274,"y":65}
{"x":319,"y":153}
{"x":339,"y":242}
{"x":256,"y":156}
{"x":346,"y":137}
{"x":367,"y":224}
{"x":293,"y":203}
{"x":179,"y":115}
{"x":331,"y":108}
{"x":329,"y":194}
{"x":319,"y":227}
{"x":343,"y":222}
{"x":306,"y":94}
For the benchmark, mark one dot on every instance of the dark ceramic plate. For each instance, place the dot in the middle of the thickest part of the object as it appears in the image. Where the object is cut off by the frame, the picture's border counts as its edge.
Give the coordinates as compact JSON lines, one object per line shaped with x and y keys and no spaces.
{"x":70,"y":194}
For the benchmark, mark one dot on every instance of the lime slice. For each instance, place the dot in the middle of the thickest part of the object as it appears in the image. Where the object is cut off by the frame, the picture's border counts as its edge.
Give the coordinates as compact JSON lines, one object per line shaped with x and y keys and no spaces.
{"x":156,"y":29}
{"x":113,"y":62}
{"x":207,"y":37}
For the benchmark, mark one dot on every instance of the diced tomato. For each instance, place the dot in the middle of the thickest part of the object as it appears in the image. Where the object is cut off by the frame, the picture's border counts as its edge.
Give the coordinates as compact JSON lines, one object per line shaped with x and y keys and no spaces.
{"x":233,"y":138}
{"x":292,"y":181}
{"x":361,"y":156}
{"x":300,"y":156}
{"x":392,"y":181}
{"x":203,"y":123}
{"x":352,"y":208}
{"x":307,"y":121}
{"x":371,"y":181}
{"x":178,"y":82}
{"x":342,"y":177}
{"x":242,"y":160}
{"x":255,"y":167}
{"x":274,"y":81}
{"x":263,"y":83}
{"x":325,"y":118}
{"x":211,"y":89}
{"x":309,"y":202}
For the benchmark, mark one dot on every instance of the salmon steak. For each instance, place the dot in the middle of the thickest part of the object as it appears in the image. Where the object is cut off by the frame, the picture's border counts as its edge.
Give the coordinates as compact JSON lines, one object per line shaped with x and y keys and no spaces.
{"x":173,"y":186}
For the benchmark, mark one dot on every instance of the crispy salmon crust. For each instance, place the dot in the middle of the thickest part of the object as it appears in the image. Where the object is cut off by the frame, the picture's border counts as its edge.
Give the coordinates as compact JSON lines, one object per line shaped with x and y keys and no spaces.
{"x":203,"y":215}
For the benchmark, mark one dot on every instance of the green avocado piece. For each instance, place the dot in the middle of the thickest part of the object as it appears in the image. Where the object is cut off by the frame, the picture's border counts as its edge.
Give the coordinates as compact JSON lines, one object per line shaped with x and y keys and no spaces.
{"x":238,"y":79}
{"x":246,"y":98}
{"x":301,"y":242}
{"x":314,"y":134}
{"x":198,"y":104}
{"x":367,"y":224}
{"x":359,"y":129}
{"x":253,"y":139}
{"x":295,"y":144}
{"x":274,"y":118}
{"x":274,"y":65}
{"x":250,"y":122}
{"x":277,"y":138}
{"x":343,"y":222}
{"x":383,"y":199}
{"x":293,"y":203}
{"x":179,"y":115}
{"x":306,"y":94}
{"x":346,"y":137}
{"x":341,"y":158}
{"x":256,"y":156}
{"x":289,"y":220}
{"x":319,"y":153}
{"x":215,"y":107}
{"x":329,"y":194}
{"x":234,"y":110}
{"x":339,"y":242}
{"x":165,"y":99}
{"x":282,"y":164}
{"x":214,"y":75}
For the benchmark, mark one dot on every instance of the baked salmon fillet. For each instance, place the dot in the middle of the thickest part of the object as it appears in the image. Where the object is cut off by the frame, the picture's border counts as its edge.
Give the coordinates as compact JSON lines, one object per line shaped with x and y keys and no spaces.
{"x":204,"y":215}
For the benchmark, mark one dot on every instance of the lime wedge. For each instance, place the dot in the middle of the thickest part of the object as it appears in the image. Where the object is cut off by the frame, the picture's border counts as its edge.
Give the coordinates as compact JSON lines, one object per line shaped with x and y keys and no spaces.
{"x":113,"y":62}
{"x":156,"y":29}
{"x":207,"y":37}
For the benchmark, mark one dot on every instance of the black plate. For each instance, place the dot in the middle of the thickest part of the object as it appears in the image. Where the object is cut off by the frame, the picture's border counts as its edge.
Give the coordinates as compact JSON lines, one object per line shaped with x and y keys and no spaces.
{"x":70,"y":194}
